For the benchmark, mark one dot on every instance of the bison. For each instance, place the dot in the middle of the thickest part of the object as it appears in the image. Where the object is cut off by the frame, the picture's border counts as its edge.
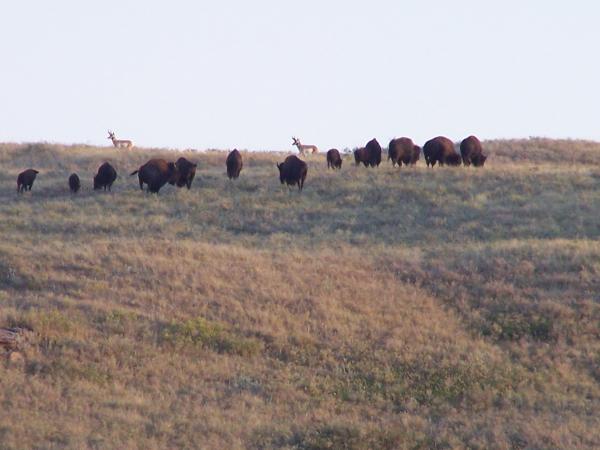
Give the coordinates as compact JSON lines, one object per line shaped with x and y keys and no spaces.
{"x":334,"y":160}
{"x":361,"y":156}
{"x":402,"y":150}
{"x":471,"y":152}
{"x":370,"y":155}
{"x":74,"y":183}
{"x":186,"y":171}
{"x":156,"y":173}
{"x":234,"y":164}
{"x":441,"y":150}
{"x":453,"y":159}
{"x":105,"y":177}
{"x":374,"y":152}
{"x":478,"y":160}
{"x":293,"y":171}
{"x":25,"y":180}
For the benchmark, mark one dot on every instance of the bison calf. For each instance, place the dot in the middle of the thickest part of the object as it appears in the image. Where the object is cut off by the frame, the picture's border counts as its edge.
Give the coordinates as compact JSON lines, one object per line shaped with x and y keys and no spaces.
{"x":334,"y":160}
{"x":25,"y":180}
{"x":74,"y":183}
{"x":186,"y":171}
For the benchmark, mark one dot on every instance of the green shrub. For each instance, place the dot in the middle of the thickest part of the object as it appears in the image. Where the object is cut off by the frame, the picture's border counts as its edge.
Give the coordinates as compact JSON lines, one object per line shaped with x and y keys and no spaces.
{"x":202,"y":333}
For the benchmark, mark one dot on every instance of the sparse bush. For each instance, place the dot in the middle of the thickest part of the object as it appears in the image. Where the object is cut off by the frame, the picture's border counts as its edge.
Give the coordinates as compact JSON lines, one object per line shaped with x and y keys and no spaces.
{"x":201,"y":333}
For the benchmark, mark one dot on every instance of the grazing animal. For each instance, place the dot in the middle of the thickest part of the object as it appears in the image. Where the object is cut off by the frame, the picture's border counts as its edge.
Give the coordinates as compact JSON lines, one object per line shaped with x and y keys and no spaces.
{"x":471,"y":151}
{"x":304,"y":149}
{"x":234,"y":164}
{"x":374,"y":152}
{"x":156,"y":173}
{"x":478,"y":160}
{"x":334,"y":160}
{"x":453,"y":159}
{"x":400,"y":151}
{"x":186,"y":171}
{"x":293,"y":171}
{"x":440,"y":150}
{"x":119,"y":142}
{"x":361,"y":155}
{"x":25,"y":180}
{"x":105,"y":177}
{"x":74,"y":183}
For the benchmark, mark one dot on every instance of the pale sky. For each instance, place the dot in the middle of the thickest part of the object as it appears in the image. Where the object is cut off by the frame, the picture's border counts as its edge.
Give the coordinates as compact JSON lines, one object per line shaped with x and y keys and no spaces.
{"x":250,"y":74}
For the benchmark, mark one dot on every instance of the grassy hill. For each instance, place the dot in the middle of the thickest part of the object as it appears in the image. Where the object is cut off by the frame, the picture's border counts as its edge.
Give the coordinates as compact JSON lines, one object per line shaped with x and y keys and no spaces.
{"x":379,"y":309}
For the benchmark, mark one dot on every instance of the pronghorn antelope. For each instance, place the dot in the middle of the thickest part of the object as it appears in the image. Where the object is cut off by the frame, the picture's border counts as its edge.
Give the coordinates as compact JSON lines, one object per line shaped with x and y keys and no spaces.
{"x":119,"y":142}
{"x":304,"y":149}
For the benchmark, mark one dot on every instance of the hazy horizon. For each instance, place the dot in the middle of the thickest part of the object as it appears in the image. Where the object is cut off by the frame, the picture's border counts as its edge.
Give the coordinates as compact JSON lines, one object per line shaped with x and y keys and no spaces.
{"x":335,"y":74}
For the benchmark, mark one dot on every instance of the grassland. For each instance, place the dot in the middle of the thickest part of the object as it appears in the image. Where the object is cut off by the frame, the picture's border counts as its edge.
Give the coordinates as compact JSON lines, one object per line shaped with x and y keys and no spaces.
{"x":379,"y":309}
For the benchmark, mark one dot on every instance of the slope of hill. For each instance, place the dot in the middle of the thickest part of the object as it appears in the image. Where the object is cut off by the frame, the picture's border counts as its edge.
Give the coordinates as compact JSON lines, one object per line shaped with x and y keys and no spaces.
{"x":381,"y":308}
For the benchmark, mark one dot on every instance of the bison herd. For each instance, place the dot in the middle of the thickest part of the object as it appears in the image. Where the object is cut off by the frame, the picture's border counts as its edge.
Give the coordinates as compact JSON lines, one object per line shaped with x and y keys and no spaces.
{"x":292,"y":171}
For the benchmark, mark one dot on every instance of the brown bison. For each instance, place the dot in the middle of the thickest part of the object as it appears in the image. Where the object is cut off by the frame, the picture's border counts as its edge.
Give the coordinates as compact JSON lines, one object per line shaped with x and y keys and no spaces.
{"x":441,"y":150}
{"x":370,"y":155}
{"x":478,"y":160}
{"x":186,"y":171}
{"x":374,"y":151}
{"x":105,"y":177}
{"x":74,"y":183}
{"x":156,"y":173}
{"x":402,"y":150}
{"x":361,"y":156}
{"x":471,"y":152}
{"x":334,"y":160}
{"x":25,"y":180}
{"x":293,"y":171}
{"x":453,"y":159}
{"x":234,"y":164}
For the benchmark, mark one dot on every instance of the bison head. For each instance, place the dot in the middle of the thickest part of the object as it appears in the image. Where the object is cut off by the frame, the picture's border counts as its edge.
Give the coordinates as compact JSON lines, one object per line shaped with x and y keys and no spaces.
{"x":453,"y":160}
{"x":479,"y":160}
{"x":172,"y":173}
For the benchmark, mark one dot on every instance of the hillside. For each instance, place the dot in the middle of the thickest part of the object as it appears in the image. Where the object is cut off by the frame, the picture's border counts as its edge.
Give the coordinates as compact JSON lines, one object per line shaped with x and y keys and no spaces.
{"x":380,"y":308}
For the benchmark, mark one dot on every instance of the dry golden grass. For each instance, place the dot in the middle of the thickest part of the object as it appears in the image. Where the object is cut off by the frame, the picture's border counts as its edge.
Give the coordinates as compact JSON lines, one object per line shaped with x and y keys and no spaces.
{"x":387,"y":308}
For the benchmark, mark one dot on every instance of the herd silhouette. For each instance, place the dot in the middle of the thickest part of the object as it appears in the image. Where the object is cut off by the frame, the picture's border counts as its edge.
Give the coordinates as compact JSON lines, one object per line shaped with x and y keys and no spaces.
{"x":292,"y":171}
